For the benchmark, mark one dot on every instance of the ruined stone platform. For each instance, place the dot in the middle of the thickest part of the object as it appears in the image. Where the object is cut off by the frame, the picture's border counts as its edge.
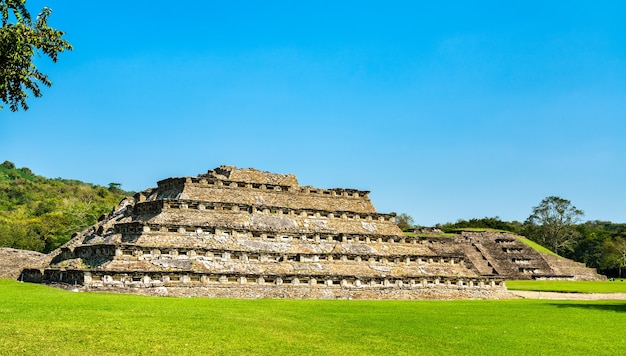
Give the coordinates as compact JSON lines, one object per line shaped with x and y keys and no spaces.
{"x":244,"y":233}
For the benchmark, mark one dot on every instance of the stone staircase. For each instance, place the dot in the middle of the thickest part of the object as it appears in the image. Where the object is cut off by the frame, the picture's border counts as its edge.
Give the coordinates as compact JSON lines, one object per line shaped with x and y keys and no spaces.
{"x":478,"y":259}
{"x":504,"y":255}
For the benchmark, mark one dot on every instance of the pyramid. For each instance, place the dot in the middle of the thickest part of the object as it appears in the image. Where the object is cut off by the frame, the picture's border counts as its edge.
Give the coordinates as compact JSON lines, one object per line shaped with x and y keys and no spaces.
{"x":245,"y":233}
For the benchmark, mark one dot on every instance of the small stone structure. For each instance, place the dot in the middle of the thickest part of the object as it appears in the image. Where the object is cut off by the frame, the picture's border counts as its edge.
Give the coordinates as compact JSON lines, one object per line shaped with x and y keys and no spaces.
{"x":13,"y":261}
{"x":244,"y":233}
{"x":507,"y":256}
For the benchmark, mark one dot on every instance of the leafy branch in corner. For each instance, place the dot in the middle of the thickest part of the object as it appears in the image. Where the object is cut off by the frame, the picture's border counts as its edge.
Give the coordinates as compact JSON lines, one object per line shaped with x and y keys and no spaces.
{"x":20,"y":40}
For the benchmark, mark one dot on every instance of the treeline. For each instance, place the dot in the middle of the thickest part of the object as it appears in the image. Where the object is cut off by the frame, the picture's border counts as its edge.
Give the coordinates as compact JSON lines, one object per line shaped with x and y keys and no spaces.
{"x":598,"y":244}
{"x":484,"y":223}
{"x":40,"y":214}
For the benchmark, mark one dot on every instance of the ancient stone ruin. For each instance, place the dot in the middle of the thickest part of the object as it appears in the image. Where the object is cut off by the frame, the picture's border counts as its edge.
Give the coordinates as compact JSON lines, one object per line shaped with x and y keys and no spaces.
{"x":245,"y":233}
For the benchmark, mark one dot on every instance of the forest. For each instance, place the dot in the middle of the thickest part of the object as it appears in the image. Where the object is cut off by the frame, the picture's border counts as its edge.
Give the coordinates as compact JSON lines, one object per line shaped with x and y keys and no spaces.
{"x":41,"y":214}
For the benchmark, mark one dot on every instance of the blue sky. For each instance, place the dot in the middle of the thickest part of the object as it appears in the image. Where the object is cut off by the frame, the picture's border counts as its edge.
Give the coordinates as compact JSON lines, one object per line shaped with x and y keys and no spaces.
{"x":444,"y":110}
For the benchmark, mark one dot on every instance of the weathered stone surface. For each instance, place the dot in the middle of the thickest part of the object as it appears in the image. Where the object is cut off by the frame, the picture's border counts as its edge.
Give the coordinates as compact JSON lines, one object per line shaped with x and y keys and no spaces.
{"x":245,"y":233}
{"x":13,"y":261}
{"x":306,"y":292}
{"x":506,"y":255}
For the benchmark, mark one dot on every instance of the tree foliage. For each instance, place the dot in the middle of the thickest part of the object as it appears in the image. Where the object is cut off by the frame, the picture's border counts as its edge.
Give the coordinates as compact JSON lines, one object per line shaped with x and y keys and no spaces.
{"x":404,"y":221}
{"x":38,"y":213}
{"x":615,"y":249}
{"x":21,"y":38}
{"x":493,"y":223}
{"x":552,"y":223}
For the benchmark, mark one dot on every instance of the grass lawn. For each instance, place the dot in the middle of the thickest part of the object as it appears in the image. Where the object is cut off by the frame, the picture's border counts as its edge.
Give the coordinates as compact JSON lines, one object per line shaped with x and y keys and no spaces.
{"x":38,"y":320}
{"x":535,"y":246}
{"x":617,"y":286}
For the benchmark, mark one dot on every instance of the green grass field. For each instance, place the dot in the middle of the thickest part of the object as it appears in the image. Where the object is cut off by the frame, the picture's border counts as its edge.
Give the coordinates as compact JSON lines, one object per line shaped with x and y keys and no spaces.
{"x":38,"y":320}
{"x":535,"y":246}
{"x":617,"y":286}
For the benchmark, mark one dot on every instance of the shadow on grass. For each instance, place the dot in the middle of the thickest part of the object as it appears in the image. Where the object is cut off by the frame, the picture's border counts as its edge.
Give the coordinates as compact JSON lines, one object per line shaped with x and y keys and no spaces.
{"x":615,"y":306}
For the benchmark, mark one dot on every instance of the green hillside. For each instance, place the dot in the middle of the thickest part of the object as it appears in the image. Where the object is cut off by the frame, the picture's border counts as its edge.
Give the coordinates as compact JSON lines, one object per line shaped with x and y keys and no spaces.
{"x":39,"y":213}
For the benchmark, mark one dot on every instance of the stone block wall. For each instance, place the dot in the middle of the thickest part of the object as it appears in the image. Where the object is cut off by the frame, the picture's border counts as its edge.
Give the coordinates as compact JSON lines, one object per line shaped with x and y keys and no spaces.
{"x":247,"y":233}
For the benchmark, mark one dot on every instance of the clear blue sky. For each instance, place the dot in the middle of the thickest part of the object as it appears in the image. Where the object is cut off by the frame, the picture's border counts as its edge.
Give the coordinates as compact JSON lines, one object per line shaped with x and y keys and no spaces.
{"x":444,"y":110}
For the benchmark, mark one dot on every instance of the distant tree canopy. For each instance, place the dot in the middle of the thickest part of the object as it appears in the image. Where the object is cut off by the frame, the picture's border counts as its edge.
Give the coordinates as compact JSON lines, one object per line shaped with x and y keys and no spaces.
{"x":552,"y":223}
{"x":616,"y":248}
{"x":404,"y":221}
{"x":485,"y":223}
{"x":8,"y":165}
{"x":38,"y":213}
{"x":602,"y":245}
{"x":20,"y":39}
{"x":116,"y":188}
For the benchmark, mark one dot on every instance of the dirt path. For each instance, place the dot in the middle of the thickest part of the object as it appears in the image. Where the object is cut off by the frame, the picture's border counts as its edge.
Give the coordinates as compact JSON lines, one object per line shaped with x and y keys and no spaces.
{"x":568,"y":296}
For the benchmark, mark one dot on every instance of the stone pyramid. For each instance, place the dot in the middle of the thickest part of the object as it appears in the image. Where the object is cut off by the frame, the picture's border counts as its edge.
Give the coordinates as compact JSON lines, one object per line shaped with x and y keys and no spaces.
{"x":244,"y":233}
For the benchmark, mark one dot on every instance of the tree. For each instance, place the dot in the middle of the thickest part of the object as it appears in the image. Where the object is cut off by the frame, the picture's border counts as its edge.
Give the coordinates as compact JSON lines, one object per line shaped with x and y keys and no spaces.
{"x":404,"y":221}
{"x":552,"y":223}
{"x":19,"y":42}
{"x":486,"y":223}
{"x":115,"y":188}
{"x":617,"y":249}
{"x":8,"y":165}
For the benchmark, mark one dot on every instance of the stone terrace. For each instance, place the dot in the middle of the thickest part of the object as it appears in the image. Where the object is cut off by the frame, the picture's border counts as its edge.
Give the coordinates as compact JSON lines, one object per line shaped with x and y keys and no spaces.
{"x":245,"y":233}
